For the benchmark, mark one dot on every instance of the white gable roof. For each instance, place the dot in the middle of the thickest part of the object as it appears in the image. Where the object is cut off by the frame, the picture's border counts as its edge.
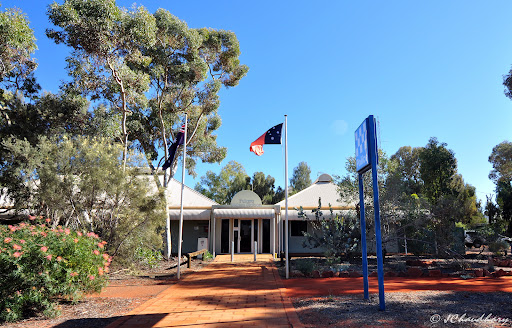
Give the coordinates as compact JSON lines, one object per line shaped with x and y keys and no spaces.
{"x":322,"y":188}
{"x":190,"y":196}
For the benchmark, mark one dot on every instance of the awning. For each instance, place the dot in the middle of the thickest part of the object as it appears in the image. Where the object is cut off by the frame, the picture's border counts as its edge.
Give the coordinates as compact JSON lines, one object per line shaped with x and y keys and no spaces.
{"x":244,"y":213}
{"x":190,"y":214}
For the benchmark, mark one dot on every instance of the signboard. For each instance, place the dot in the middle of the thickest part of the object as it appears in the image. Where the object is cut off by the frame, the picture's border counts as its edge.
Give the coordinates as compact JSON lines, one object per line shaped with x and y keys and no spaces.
{"x":363,"y":144}
{"x":362,"y":149}
{"x":367,"y":158}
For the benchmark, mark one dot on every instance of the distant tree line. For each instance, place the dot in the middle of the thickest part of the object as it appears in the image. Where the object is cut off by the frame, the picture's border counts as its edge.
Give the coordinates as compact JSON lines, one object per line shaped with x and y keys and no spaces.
{"x":422,"y":197}
{"x":232,"y":178}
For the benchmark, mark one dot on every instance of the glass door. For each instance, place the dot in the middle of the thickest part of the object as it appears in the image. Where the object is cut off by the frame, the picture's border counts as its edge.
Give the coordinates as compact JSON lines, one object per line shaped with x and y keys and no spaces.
{"x":246,"y":236}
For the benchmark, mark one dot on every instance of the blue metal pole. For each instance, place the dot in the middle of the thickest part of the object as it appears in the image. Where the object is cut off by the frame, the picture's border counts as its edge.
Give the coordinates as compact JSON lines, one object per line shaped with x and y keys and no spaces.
{"x":363,"y":237}
{"x":376,"y":207}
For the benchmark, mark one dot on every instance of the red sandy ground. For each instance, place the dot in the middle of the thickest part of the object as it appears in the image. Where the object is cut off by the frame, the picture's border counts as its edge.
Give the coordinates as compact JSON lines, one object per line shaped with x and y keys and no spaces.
{"x":303,"y":287}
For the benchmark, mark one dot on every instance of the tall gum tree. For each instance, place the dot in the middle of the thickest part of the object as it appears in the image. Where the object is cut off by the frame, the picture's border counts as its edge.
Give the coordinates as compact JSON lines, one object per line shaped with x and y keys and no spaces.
{"x":187,"y":70}
{"x":152,"y":69}
{"x":17,"y":44}
{"x":104,"y":39}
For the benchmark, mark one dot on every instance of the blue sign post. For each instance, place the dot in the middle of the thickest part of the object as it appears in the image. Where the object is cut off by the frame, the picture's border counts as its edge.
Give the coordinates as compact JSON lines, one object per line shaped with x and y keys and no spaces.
{"x":367,"y":157}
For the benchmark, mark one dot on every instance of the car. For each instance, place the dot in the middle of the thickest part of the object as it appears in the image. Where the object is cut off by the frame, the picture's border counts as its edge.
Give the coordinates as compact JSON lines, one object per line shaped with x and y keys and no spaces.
{"x":505,"y":239}
{"x":473,"y":239}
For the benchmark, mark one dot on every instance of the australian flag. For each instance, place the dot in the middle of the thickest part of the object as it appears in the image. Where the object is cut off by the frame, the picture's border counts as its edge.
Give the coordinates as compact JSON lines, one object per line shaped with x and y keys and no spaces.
{"x":272,"y":136}
{"x":180,"y":139}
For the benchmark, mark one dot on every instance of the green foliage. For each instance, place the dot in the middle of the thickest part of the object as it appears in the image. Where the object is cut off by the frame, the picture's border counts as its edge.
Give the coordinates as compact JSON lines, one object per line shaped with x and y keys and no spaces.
{"x":78,"y":182}
{"x":119,"y":54}
{"x":404,"y":172}
{"x":338,"y":235}
{"x":232,"y":179}
{"x":306,"y":266}
{"x":264,"y":187}
{"x":207,"y":256}
{"x":437,"y":167}
{"x":498,"y":247}
{"x":421,"y":197}
{"x":17,"y":43}
{"x":500,"y":214}
{"x":40,"y":266}
{"x":187,"y":70}
{"x":106,"y":43}
{"x":148,"y":257}
{"x":501,"y":160}
{"x":222,"y":187}
{"x":301,"y":177}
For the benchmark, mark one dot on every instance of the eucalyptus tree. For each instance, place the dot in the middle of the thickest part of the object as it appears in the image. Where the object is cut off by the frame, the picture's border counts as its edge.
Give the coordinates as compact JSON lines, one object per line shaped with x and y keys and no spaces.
{"x":187,"y":70}
{"x":152,"y":68}
{"x":301,"y":178}
{"x":438,"y":166}
{"x":106,"y":43}
{"x":264,"y":187}
{"x":501,"y":175}
{"x":17,"y":44}
{"x":124,"y":55}
{"x":223,"y":186}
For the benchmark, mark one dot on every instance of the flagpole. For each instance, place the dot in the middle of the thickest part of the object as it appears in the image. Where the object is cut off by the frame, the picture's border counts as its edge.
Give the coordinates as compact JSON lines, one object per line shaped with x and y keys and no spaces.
{"x":286,"y":194}
{"x":180,"y":241}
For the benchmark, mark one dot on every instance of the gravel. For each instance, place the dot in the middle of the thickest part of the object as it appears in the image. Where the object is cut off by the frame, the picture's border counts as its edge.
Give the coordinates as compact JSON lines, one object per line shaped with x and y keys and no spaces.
{"x":408,"y":309}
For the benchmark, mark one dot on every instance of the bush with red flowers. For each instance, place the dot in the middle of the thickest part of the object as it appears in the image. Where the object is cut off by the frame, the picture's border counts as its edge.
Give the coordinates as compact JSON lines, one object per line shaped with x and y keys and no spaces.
{"x":40,"y":266}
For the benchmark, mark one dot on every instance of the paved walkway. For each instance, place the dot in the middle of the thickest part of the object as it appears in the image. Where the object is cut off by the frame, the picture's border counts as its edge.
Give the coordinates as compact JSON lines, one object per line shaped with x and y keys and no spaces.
{"x":223,"y":294}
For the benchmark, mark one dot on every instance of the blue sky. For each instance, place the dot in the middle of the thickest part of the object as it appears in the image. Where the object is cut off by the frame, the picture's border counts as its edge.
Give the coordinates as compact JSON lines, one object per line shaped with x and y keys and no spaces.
{"x":423,"y":68}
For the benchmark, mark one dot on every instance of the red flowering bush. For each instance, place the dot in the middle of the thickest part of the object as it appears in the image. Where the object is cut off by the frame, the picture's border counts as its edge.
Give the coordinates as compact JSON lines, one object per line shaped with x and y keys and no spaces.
{"x":40,"y":266}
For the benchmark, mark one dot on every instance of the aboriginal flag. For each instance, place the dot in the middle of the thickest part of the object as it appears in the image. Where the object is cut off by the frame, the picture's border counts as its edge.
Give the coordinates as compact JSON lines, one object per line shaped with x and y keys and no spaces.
{"x":272,"y":136}
{"x":174,"y":147}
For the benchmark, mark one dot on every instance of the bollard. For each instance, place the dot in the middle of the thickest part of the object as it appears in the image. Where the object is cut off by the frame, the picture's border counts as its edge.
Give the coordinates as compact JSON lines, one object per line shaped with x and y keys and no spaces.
{"x":255,"y":250}
{"x":232,"y":251}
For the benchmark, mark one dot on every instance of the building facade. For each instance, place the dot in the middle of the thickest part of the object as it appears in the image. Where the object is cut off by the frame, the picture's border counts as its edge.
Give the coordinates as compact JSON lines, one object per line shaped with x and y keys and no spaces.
{"x":246,"y":225}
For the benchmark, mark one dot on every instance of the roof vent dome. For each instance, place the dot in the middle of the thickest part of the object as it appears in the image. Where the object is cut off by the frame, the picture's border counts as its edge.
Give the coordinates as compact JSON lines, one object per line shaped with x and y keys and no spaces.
{"x":324,"y":178}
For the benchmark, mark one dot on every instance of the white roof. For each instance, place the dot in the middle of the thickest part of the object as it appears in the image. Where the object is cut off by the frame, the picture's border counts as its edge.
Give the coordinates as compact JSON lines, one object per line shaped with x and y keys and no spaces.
{"x":322,"y":188}
{"x":190,"y":196}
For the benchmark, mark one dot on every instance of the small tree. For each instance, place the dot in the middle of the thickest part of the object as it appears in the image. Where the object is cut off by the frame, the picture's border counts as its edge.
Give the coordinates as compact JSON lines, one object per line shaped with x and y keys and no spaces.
{"x":301,"y":178}
{"x":338,"y":235}
{"x":222,"y":187}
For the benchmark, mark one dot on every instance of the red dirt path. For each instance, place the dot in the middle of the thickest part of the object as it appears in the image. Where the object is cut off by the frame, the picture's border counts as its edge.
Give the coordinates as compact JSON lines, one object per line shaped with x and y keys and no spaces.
{"x":303,"y":287}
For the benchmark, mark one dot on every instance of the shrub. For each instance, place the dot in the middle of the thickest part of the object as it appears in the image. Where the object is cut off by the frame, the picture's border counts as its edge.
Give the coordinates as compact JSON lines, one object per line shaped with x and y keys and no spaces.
{"x":148,"y":257}
{"x":337,"y":236}
{"x":40,"y":266}
{"x":498,"y":247}
{"x":306,"y":266}
{"x":207,"y":256}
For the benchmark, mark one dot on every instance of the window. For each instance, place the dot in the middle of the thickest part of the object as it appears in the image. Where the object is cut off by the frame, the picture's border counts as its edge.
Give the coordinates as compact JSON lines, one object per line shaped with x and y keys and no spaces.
{"x":297,"y":227}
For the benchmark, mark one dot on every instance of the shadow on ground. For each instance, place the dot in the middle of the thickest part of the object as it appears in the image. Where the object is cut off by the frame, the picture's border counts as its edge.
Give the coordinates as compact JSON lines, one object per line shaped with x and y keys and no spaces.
{"x":145,"y":320}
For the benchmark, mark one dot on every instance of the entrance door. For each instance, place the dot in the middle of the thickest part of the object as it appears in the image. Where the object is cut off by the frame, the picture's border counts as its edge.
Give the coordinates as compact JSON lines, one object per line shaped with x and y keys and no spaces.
{"x":224,"y":237}
{"x":266,"y":236}
{"x":246,"y":236}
